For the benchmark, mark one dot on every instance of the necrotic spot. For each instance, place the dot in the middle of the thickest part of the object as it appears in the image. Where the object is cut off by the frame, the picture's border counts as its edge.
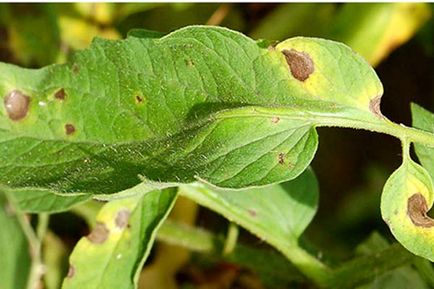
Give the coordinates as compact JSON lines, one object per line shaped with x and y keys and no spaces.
{"x":71,"y":272}
{"x":99,"y":234}
{"x":75,"y":68}
{"x":17,"y":105}
{"x":375,"y":105}
{"x":300,"y":64}
{"x":417,"y":209}
{"x":122,"y":218}
{"x":139,"y":99}
{"x":69,"y":129}
{"x":60,"y":94}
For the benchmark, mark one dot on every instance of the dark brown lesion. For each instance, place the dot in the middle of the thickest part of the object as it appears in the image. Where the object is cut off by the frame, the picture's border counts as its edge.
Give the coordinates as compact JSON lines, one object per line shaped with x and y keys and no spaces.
{"x":300,"y":64}
{"x":417,"y":211}
{"x":139,"y":99}
{"x":375,"y":106}
{"x":69,"y":129}
{"x":99,"y":234}
{"x":281,"y":158}
{"x":60,"y":94}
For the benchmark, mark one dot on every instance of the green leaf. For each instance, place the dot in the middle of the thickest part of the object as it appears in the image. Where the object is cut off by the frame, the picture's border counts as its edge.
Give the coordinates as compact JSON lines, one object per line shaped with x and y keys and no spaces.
{"x":407,"y":197}
{"x":424,"y":119}
{"x":14,"y":248}
{"x":277,"y":214}
{"x":200,"y":102}
{"x":41,"y":200}
{"x":119,"y":243}
{"x":402,"y":277}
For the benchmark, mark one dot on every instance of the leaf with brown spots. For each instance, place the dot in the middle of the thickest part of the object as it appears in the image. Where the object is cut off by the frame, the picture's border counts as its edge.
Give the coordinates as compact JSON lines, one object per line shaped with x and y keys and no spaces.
{"x":113,"y":254}
{"x":406,"y":199}
{"x":169,"y":111}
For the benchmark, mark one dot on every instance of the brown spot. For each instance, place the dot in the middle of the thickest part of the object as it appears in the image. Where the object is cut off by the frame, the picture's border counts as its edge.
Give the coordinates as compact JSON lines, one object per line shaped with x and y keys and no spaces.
{"x":417,"y":209}
{"x":99,"y":234}
{"x":75,"y":68}
{"x":275,"y":119}
{"x":272,"y":46}
{"x":60,"y":94}
{"x":9,"y":210}
{"x":189,"y":62}
{"x":122,"y":218}
{"x":139,"y":99}
{"x":71,"y":271}
{"x":281,"y":158}
{"x":374,"y":106}
{"x":17,"y":105}
{"x":252,"y":212}
{"x":300,"y":64}
{"x":69,"y":129}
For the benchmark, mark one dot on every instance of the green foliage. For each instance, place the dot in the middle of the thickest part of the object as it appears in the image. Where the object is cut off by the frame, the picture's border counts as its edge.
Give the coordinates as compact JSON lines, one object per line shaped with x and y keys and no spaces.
{"x":14,"y":249}
{"x":229,"y":121}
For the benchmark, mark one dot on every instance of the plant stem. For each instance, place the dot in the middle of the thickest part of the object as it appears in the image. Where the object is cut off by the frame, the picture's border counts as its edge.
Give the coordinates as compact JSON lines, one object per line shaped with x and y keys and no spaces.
{"x":385,"y":126}
{"x":231,"y":238}
{"x":345,"y":118}
{"x":348,"y":275}
{"x":268,"y":263}
{"x":35,"y":243}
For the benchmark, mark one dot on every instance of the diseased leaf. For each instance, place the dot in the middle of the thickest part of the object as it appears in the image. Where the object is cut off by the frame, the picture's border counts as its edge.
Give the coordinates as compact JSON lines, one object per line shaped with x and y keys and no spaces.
{"x":112,"y":255}
{"x":14,"y":249}
{"x":201,"y":102}
{"x":406,"y":199}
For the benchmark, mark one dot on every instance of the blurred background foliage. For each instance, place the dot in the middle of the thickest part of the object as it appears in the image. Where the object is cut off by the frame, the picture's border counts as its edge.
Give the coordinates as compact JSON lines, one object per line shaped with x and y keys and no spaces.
{"x":352,"y":167}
